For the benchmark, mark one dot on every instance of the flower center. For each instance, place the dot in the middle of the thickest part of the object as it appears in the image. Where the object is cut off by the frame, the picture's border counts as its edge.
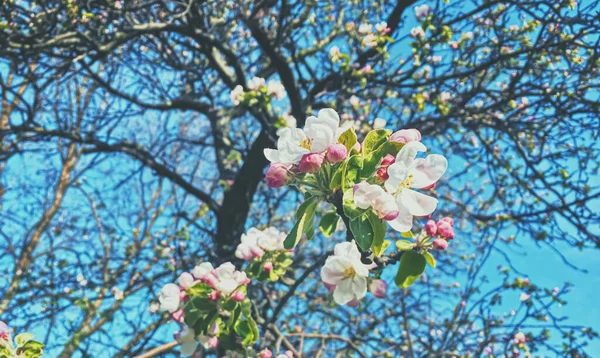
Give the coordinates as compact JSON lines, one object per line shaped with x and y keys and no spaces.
{"x":349,"y":272}
{"x":407,"y":182}
{"x":306,"y":143}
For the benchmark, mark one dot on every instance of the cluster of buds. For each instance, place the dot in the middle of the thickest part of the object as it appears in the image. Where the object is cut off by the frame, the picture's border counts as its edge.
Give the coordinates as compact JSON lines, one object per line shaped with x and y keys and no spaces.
{"x":204,"y":302}
{"x":23,"y":345}
{"x":263,"y":249}
{"x":259,"y":91}
{"x":267,"y":353}
{"x":441,"y":232}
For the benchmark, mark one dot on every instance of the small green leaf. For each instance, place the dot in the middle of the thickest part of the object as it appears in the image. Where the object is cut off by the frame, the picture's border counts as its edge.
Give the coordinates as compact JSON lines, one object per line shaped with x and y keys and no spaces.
{"x":23,"y":338}
{"x":407,"y":235}
{"x":350,"y":209}
{"x":379,"y":229}
{"x":363,"y":232}
{"x":352,"y":173}
{"x":404,"y":245}
{"x":348,"y":139}
{"x":31,"y":349}
{"x":305,"y":223}
{"x":336,"y":179}
{"x":328,"y":223}
{"x":412,"y":265}
{"x":374,"y":140}
{"x":429,"y":258}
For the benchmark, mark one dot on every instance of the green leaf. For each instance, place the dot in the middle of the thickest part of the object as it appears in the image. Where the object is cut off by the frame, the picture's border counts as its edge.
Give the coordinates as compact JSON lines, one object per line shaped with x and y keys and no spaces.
{"x":407,"y":234}
{"x":348,"y":139}
{"x":379,"y":229}
{"x":350,"y":209}
{"x":352,"y":173}
{"x":363,"y":232}
{"x":304,"y":224}
{"x":412,"y":265}
{"x":429,"y":258}
{"x":31,"y":349}
{"x":374,"y":140}
{"x":404,"y":245}
{"x":199,"y":289}
{"x":23,"y":338}
{"x":328,"y":223}
{"x":336,"y":179}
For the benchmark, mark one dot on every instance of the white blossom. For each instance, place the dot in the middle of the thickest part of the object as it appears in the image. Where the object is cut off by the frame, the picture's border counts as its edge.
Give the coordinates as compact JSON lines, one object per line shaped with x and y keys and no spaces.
{"x":345,"y":270}
{"x":169,"y":297}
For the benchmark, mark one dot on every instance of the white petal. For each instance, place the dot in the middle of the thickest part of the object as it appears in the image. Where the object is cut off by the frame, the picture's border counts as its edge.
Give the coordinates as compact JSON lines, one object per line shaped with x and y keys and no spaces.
{"x":330,"y":117}
{"x":343,"y":292}
{"x":403,"y":222}
{"x":360,"y":268}
{"x":360,"y":198}
{"x":321,"y":137}
{"x":333,"y":271}
{"x":359,"y":286}
{"x":272,"y":155}
{"x":429,"y":170}
{"x":398,"y":172}
{"x":408,"y":153}
{"x":348,"y":250}
{"x":187,"y":348}
{"x":418,"y":204}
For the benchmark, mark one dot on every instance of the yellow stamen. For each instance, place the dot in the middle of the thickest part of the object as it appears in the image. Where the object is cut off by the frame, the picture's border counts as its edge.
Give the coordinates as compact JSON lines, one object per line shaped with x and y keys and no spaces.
{"x":407,"y":182}
{"x":306,"y":143}
{"x":349,"y":272}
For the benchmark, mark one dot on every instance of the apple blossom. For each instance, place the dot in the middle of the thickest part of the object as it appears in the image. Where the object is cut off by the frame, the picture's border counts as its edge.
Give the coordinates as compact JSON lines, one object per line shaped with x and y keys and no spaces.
{"x":208,"y":342}
{"x":228,"y":279}
{"x":336,"y":153}
{"x":408,"y":173}
{"x":311,"y":163}
{"x":169,"y":297}
{"x":371,"y":195}
{"x":202,"y":270}
{"x":256,"y":83}
{"x":237,"y":95}
{"x":417,"y":32}
{"x":186,"y":280}
{"x":382,"y":27}
{"x":187,"y":340}
{"x":421,"y":11}
{"x":238,"y":296}
{"x":379,"y":123}
{"x":378,"y":288}
{"x":520,"y":338}
{"x":265,"y":353}
{"x":406,"y":135}
{"x":365,"y":28}
{"x":277,"y":175}
{"x":248,"y":247}
{"x":318,"y":134}
{"x":345,"y":270}
{"x":276,"y":89}
{"x":335,"y":53}
{"x":369,"y":40}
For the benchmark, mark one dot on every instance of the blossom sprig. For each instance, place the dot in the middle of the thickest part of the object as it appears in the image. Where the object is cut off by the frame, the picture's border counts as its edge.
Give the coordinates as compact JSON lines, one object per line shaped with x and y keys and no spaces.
{"x":264,"y":251}
{"x":212,"y":307}
{"x":23,"y":344}
{"x":259,"y":92}
{"x":373,"y":184}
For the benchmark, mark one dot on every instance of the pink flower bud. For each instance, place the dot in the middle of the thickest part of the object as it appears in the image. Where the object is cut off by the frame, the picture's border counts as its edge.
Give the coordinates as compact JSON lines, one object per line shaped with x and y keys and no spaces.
{"x":463,"y":303}
{"x":378,"y":288}
{"x":212,"y":343}
{"x":265,"y":353}
{"x":431,"y":228}
{"x":177,"y":316}
{"x":277,"y":176}
{"x":406,"y":135}
{"x":440,"y":244}
{"x":391,"y":215}
{"x":382,"y":174}
{"x":311,"y":163}
{"x":336,"y":153}
{"x":268,"y":266}
{"x":213,"y":296}
{"x":448,"y":219}
{"x":388,"y":160}
{"x":445,"y":230}
{"x":238,"y":296}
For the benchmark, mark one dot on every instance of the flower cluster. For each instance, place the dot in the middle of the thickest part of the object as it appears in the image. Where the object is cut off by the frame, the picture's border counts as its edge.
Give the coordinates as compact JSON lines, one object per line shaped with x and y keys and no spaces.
{"x":259,"y":92}
{"x":23,"y":345}
{"x":374,"y":183}
{"x":210,"y":302}
{"x":374,"y":39}
{"x":263,"y":249}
